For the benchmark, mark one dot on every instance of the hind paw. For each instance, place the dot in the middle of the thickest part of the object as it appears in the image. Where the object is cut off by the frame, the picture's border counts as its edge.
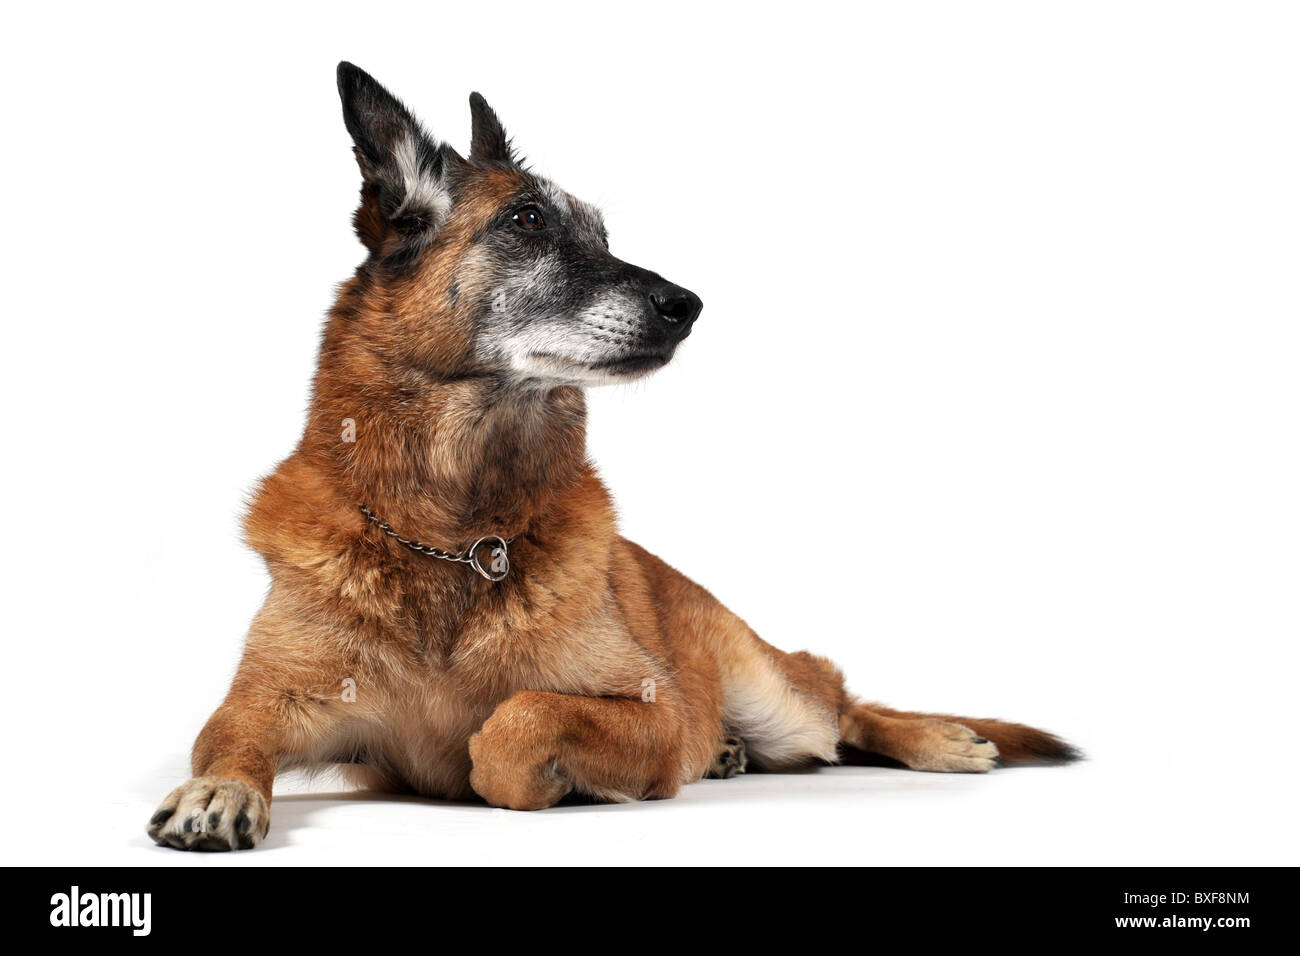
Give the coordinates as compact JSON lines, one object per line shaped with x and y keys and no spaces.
{"x":951,"y":748}
{"x":731,"y":761}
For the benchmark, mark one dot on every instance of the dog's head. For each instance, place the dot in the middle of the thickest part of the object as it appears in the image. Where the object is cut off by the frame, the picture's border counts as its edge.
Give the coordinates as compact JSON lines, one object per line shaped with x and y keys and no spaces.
{"x":487,"y":267}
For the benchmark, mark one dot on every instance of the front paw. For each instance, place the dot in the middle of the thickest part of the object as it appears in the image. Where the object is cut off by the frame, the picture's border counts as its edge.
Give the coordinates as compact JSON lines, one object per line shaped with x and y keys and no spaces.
{"x":211,"y":813}
{"x":509,"y":773}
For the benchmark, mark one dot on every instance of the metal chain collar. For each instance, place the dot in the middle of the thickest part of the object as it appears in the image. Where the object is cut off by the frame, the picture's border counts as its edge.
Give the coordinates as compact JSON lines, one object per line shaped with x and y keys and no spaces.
{"x":497,"y":569}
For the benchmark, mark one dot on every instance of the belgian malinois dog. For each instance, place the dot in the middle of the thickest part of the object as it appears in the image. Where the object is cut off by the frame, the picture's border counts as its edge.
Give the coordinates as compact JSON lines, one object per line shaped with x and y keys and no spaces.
{"x":452,"y":610}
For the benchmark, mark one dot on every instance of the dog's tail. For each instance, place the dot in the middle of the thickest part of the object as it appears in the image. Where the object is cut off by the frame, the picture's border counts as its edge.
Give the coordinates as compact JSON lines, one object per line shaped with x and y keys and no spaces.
{"x":1017,"y":744}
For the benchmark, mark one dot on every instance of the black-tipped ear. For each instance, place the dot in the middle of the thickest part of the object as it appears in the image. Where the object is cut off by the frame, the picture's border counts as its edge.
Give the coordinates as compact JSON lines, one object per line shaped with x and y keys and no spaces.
{"x":404,"y":168}
{"x":488,"y":140}
{"x":376,"y":120}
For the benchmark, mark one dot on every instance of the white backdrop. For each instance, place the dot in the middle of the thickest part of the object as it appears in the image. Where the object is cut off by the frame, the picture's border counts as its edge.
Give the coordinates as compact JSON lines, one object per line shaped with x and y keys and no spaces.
{"x":1001,"y":299}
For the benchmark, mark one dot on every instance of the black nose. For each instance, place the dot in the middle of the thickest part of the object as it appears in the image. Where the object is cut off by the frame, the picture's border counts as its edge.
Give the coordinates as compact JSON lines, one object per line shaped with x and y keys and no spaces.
{"x":678,"y":307}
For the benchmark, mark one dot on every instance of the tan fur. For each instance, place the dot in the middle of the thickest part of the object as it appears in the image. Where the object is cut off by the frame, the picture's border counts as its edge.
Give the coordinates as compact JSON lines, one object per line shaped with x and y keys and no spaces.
{"x":594,"y":668}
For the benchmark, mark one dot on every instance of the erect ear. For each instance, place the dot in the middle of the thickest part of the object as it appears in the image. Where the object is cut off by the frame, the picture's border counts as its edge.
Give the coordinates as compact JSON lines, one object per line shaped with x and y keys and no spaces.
{"x":488,"y":140}
{"x":405,"y":169}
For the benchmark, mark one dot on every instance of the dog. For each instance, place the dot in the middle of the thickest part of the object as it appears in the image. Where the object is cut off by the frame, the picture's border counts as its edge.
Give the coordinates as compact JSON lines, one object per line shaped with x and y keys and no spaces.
{"x":452,"y":611}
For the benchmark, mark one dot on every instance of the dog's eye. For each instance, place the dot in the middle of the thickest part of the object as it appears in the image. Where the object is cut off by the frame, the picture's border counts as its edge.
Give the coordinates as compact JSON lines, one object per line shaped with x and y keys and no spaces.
{"x":529,"y":218}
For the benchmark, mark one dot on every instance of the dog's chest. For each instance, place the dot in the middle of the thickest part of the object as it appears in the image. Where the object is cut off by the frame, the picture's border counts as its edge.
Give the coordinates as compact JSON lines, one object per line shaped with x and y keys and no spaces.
{"x":451,"y":658}
{"x":449,"y":686}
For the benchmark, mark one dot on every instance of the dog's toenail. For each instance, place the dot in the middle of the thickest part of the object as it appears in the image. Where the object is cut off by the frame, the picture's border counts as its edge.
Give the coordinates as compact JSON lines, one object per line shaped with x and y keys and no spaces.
{"x":162,"y":816}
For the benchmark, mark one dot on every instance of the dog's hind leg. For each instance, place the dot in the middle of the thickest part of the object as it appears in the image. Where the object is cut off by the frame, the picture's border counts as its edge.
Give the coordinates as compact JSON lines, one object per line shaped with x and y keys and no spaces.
{"x":792,"y":709}
{"x":921,"y":743}
{"x":784,"y":706}
{"x":946,"y":743}
{"x":779,"y":726}
{"x":731,"y":761}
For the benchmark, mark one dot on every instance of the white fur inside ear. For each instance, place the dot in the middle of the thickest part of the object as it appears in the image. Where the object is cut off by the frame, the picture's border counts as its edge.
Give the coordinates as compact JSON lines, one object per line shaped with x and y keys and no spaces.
{"x":421,"y":190}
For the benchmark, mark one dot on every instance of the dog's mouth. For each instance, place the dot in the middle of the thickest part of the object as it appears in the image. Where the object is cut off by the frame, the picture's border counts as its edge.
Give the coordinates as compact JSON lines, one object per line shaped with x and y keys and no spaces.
{"x":637,"y":364}
{"x":619,"y":366}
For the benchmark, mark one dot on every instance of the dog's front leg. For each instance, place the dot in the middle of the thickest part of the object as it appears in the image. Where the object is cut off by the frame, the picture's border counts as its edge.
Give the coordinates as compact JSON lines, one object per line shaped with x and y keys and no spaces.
{"x":538,"y":746}
{"x":227,"y":804}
